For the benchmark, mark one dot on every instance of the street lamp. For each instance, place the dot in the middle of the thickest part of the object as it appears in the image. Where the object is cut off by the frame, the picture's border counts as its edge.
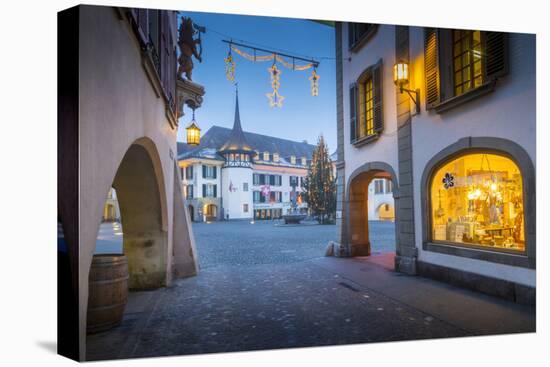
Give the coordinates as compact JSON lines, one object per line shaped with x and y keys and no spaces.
{"x":401,"y":78}
{"x":193,"y":132}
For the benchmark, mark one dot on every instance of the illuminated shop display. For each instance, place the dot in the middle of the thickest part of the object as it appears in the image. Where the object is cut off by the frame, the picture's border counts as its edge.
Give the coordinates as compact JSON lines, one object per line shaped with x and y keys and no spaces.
{"x":477,"y":200}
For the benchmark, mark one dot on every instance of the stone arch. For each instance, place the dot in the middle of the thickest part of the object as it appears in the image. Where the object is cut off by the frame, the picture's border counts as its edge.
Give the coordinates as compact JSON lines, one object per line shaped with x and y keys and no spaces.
{"x":500,"y":146}
{"x":357,"y":239}
{"x":139,"y":183}
{"x":386,"y":211}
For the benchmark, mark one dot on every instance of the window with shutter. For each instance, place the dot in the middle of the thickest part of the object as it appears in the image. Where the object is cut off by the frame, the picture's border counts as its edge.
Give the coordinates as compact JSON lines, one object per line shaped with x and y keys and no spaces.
{"x":359,"y":34}
{"x":353,"y":112}
{"x":204,"y":190}
{"x":203,"y":171}
{"x":461,"y":65}
{"x":366,"y":101}
{"x":215,"y":191}
{"x":215,"y":169}
{"x":431,"y":62}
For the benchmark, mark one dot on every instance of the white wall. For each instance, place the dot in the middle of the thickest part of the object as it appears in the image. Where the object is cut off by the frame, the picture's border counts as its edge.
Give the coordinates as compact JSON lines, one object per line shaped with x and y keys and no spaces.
{"x":285,"y":187}
{"x":508,"y":112}
{"x":233,"y":200}
{"x":382,"y":45}
{"x":375,"y":200}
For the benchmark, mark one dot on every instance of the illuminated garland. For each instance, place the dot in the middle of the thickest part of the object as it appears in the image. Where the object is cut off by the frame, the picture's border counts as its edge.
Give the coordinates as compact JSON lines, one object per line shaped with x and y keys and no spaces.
{"x":314,"y":78}
{"x":229,"y":67}
{"x":275,"y":99}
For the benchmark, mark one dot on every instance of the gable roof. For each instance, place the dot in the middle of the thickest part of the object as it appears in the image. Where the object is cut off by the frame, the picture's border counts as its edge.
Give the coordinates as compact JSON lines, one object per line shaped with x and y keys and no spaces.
{"x":216,"y":136}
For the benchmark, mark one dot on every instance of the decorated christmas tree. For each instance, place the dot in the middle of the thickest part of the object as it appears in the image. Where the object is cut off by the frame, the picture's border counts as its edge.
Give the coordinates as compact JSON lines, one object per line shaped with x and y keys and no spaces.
{"x":319,"y":186}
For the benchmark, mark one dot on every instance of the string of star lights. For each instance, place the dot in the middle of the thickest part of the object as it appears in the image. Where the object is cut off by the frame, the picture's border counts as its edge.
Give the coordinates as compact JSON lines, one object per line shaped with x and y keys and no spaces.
{"x":264,"y":55}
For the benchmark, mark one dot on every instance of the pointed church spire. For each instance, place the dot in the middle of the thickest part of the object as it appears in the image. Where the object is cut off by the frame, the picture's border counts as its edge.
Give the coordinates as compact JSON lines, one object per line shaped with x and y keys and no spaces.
{"x":236,"y":142}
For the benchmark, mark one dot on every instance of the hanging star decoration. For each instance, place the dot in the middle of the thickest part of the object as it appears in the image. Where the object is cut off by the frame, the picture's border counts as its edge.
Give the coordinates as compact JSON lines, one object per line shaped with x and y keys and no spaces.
{"x":314,"y":78}
{"x":229,"y":67}
{"x":275,"y":99}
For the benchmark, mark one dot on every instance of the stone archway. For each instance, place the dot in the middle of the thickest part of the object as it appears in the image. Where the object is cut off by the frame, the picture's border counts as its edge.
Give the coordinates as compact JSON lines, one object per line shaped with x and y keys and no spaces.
{"x":141,"y":211}
{"x":357,"y":226}
{"x":386,"y":212}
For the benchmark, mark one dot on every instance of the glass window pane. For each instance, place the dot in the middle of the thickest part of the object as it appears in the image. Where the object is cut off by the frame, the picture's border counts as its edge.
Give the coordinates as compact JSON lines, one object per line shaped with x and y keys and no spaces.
{"x":477,"y":200}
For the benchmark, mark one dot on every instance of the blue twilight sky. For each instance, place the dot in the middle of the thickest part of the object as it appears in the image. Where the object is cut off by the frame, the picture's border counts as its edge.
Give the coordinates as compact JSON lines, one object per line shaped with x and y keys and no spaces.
{"x":302,"y":117}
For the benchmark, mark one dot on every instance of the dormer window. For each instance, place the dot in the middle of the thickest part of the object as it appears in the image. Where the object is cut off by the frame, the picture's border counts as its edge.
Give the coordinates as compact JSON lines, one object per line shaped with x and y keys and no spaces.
{"x":292,"y":159}
{"x":304,"y":161}
{"x":275,"y":157}
{"x":266,"y":156}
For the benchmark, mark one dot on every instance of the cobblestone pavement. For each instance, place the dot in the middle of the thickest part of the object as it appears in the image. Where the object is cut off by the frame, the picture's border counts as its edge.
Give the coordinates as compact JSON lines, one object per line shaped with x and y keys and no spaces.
{"x":266,"y":287}
{"x":268,"y":242}
{"x":228,"y":308}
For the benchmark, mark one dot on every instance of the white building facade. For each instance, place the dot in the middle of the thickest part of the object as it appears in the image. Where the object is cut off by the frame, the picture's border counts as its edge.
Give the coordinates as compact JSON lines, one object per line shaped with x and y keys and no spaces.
{"x":461,"y":167}
{"x":236,"y":175}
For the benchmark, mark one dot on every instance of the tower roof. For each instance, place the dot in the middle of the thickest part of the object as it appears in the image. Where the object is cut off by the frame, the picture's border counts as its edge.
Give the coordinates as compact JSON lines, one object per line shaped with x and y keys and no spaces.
{"x":236,"y":142}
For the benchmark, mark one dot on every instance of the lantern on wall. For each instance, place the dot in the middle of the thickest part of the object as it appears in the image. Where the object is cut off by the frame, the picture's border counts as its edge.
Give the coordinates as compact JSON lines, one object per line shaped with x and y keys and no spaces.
{"x":193,"y":132}
{"x":401,"y":78}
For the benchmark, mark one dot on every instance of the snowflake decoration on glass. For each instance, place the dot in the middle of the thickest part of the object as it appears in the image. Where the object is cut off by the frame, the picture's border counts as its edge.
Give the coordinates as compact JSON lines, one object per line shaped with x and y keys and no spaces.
{"x":229,"y":67}
{"x":448,"y":181}
{"x":314,"y":78}
{"x":275,"y":99}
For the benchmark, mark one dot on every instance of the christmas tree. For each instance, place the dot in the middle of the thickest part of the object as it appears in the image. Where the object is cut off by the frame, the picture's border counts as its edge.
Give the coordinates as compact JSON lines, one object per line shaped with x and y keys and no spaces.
{"x":319,"y":186}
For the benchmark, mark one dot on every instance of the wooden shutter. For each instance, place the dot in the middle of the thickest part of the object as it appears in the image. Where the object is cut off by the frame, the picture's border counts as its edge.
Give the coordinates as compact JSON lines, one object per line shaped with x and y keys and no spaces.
{"x":353,"y":113}
{"x":143,"y":25}
{"x":496,"y":45}
{"x":203,"y":171}
{"x":203,"y":190}
{"x":215,"y":171}
{"x":377,"y":97}
{"x":215,"y":192}
{"x":431,"y":65}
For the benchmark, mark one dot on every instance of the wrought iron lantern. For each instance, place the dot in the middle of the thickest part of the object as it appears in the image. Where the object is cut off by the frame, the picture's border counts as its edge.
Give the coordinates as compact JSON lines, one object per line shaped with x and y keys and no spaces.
{"x":401,"y":78}
{"x":193,"y":132}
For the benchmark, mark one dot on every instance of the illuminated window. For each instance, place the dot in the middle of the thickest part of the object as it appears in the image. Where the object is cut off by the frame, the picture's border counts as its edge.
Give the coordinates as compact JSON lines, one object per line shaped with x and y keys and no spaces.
{"x":266,"y":156}
{"x":467,"y":60}
{"x":477,"y":200}
{"x":366,"y":105}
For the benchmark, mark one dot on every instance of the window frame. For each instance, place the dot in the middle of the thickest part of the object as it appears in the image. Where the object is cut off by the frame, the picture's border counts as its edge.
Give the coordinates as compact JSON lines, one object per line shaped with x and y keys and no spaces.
{"x":444,"y":68}
{"x":372,"y":73}
{"x":498,"y":146}
{"x":361,"y":40}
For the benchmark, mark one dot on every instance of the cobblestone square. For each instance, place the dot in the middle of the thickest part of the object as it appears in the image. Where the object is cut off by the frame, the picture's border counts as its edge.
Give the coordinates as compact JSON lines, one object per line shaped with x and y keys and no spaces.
{"x":264,"y":286}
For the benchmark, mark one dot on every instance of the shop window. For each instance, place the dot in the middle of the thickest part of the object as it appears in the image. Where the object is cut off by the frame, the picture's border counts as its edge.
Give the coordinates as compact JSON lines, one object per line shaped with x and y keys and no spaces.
{"x":477,"y":201}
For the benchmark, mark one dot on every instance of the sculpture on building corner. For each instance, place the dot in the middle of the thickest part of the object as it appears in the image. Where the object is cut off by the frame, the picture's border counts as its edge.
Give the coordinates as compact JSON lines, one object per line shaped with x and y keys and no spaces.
{"x":189,"y":47}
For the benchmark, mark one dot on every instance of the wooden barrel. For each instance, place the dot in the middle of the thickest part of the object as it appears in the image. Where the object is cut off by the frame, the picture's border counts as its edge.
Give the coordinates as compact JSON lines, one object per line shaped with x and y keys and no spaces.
{"x":108,"y":292}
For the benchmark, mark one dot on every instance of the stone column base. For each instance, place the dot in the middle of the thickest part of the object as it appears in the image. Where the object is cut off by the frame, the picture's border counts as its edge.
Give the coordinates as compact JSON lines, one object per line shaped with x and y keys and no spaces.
{"x":405,"y":264}
{"x":360,"y":250}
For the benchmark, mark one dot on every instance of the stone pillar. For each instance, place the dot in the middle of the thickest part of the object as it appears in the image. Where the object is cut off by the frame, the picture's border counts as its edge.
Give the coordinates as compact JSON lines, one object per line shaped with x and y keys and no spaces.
{"x":406,"y":252}
{"x":341,"y":205}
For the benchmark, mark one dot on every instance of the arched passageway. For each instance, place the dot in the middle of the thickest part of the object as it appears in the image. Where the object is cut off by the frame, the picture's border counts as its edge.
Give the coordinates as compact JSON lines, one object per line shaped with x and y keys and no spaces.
{"x":210,"y":212}
{"x":144,"y":237}
{"x":359,"y":241}
{"x":386,"y":211}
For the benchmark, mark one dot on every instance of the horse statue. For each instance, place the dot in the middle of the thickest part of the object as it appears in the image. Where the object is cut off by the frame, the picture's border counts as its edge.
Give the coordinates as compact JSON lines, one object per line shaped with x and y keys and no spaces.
{"x":188,"y":47}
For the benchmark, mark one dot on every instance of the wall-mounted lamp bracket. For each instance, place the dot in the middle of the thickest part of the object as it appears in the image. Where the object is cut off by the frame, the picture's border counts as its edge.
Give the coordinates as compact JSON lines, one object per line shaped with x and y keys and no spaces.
{"x":415,"y":98}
